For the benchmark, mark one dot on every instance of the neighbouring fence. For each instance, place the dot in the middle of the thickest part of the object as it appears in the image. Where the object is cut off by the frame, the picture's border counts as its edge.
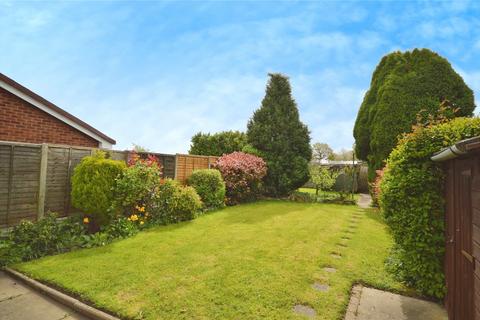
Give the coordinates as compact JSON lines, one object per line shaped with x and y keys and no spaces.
{"x":186,"y":163}
{"x":35,"y":178}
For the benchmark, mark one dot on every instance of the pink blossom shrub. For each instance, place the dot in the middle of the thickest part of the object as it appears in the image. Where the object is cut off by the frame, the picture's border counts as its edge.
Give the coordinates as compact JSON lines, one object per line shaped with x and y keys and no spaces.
{"x":243,"y":174}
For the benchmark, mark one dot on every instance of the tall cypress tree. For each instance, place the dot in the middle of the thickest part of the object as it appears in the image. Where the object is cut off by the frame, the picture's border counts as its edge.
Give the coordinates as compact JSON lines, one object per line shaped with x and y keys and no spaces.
{"x":282,"y":139}
{"x":403,"y":85}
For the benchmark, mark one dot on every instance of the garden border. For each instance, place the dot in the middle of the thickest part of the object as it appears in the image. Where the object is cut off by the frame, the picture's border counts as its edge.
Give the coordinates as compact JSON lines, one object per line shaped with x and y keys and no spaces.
{"x":63,"y":298}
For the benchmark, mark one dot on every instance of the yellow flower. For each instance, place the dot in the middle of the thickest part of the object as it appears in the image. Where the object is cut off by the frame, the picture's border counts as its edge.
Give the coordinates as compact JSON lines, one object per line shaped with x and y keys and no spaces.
{"x":134,"y":217}
{"x":141,"y":222}
{"x":141,"y":209}
{"x":85,"y":220}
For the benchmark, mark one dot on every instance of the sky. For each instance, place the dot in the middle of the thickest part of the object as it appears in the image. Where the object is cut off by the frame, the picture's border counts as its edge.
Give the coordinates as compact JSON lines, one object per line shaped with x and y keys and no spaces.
{"x":156,"y":73}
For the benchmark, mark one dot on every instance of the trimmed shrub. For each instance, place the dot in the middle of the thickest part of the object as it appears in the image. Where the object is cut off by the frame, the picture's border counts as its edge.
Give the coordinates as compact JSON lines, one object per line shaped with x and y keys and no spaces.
{"x":210,"y":187}
{"x":218,"y":143}
{"x":136,"y":187}
{"x":404,"y":84}
{"x":93,"y":181}
{"x":275,"y":130}
{"x":243,"y":174}
{"x":175,"y":203}
{"x":411,"y":198}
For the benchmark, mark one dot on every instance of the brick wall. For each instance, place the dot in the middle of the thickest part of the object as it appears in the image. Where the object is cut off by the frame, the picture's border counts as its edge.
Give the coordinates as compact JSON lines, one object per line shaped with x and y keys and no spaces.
{"x":22,"y":122}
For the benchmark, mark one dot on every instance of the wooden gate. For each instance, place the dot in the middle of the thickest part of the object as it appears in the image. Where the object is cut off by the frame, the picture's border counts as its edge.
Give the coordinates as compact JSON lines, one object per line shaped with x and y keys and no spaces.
{"x":462,"y":269}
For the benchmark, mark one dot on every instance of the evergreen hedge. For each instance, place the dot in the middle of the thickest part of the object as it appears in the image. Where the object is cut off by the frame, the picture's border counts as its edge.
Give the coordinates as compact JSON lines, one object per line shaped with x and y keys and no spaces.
{"x":412,"y":201}
{"x":404,"y":84}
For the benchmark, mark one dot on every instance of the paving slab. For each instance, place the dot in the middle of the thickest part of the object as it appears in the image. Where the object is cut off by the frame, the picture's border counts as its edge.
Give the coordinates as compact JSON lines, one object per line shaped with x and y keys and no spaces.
{"x":372,"y":304}
{"x":20,"y":302}
{"x":364,"y":201}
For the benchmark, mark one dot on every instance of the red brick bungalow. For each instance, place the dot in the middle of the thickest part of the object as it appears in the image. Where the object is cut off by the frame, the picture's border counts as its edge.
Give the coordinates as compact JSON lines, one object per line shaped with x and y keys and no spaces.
{"x":27,"y":117}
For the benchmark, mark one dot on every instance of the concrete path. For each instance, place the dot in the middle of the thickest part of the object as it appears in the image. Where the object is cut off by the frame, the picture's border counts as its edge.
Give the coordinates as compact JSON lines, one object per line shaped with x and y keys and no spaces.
{"x":19,"y":302}
{"x":372,"y":304}
{"x":364,"y":201}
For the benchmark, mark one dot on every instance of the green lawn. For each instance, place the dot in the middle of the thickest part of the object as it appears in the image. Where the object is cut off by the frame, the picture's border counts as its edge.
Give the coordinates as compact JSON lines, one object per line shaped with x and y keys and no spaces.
{"x":252,"y":261}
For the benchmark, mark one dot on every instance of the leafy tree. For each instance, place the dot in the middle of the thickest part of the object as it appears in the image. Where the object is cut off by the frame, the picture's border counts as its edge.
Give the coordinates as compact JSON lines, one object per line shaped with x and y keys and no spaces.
{"x":343,"y":155}
{"x":403,"y":84}
{"x":322,"y":151}
{"x":217,"y":144}
{"x":323,"y":178}
{"x":275,"y":130}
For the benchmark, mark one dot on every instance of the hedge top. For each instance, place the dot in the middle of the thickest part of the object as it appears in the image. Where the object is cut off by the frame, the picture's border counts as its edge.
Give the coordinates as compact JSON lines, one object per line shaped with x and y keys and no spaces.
{"x":404,"y":84}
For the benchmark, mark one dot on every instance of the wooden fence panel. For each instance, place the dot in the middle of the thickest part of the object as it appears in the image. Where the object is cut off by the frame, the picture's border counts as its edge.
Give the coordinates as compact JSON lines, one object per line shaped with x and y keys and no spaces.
{"x":37,"y":178}
{"x":23,"y":183}
{"x":186,"y":164}
{"x":57,"y":179}
{"x":25,"y":189}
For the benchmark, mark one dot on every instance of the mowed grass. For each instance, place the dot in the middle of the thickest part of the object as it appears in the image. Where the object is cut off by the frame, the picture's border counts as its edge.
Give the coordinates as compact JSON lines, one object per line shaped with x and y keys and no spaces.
{"x":253,"y":261}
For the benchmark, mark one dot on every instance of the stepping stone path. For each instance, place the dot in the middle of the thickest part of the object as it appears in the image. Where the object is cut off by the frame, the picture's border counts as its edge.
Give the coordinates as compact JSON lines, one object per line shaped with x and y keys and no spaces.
{"x":320,"y":287}
{"x":308,"y":311}
{"x":304,"y":311}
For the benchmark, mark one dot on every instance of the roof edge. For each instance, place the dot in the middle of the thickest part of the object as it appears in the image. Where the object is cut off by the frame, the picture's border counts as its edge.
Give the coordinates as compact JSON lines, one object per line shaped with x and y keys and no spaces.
{"x":53,"y":107}
{"x":458,"y":149}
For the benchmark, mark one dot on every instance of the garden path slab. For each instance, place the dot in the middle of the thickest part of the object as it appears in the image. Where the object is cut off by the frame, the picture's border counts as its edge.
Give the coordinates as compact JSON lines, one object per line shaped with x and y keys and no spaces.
{"x":364,"y":201}
{"x":19,"y":302}
{"x":372,"y":304}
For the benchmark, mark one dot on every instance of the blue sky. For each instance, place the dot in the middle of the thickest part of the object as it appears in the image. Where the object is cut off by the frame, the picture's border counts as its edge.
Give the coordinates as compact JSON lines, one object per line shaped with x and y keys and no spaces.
{"x":155,"y":73}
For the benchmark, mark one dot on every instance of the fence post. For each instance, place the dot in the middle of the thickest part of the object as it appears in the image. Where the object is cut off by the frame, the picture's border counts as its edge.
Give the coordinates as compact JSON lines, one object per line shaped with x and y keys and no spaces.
{"x":42,"y":186}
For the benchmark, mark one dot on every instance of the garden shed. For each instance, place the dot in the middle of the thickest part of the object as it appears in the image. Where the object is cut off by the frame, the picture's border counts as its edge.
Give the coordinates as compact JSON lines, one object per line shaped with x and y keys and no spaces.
{"x":462,"y":228}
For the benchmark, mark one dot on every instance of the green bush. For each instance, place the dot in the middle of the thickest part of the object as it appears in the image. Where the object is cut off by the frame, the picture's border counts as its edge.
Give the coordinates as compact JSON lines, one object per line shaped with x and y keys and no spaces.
{"x":282,"y":140}
{"x":210,"y":187}
{"x":93,"y":182}
{"x":411,"y":198}
{"x":175,"y":203}
{"x":404,"y":84}
{"x":31,"y":240}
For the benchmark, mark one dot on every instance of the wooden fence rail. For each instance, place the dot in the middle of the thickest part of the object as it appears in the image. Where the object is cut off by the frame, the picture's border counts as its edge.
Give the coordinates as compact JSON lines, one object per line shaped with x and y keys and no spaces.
{"x":36,"y":178}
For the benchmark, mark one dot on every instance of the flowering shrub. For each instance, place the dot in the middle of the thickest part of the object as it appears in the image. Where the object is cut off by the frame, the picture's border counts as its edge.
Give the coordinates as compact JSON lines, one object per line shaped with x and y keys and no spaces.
{"x":243,"y":174}
{"x":210,"y":187}
{"x":174,"y":203}
{"x":92,"y":187}
{"x":136,"y":187}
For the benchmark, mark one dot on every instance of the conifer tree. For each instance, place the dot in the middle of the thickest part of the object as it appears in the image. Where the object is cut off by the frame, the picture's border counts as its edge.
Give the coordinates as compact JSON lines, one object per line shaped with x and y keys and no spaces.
{"x":275,"y":130}
{"x":403,"y":85}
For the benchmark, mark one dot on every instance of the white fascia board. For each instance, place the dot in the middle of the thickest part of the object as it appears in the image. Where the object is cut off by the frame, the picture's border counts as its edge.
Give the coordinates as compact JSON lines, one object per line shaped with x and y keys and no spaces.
{"x":102,"y":142}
